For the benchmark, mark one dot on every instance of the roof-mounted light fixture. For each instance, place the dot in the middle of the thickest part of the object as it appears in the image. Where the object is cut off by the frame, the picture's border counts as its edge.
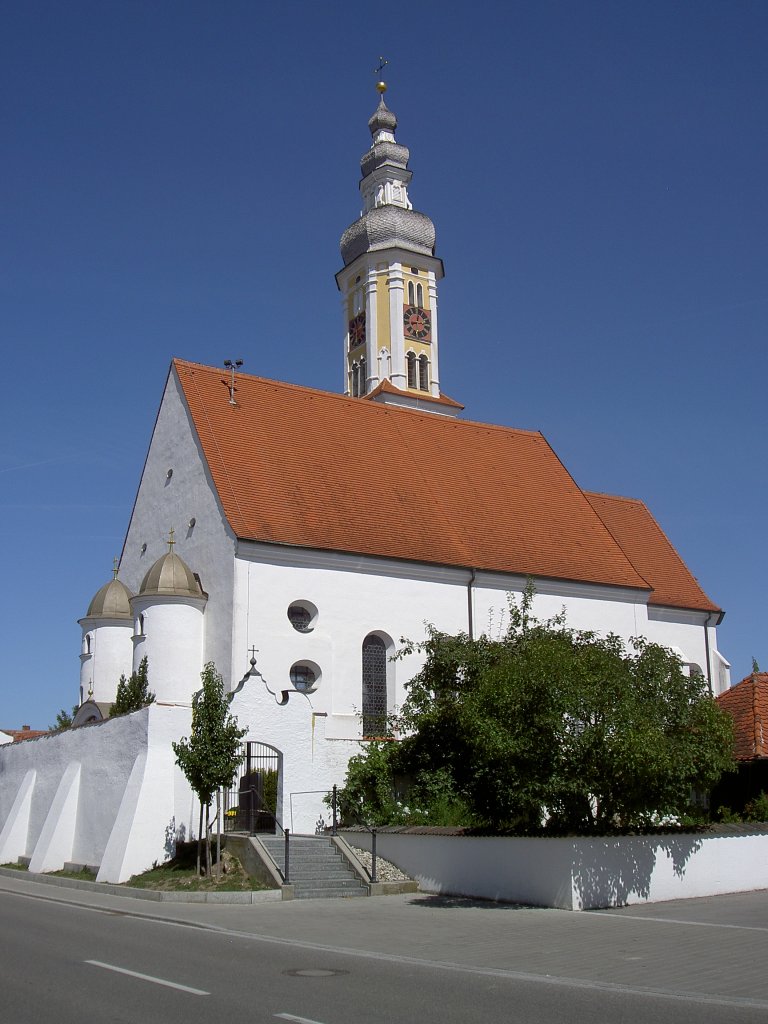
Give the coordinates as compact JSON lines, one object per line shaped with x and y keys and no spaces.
{"x":232,"y":365}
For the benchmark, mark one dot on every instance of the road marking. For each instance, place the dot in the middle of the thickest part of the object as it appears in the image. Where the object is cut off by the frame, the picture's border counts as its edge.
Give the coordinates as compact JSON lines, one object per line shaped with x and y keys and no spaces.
{"x":674,"y":920}
{"x":686,"y":996}
{"x":148,"y":977}
{"x":298,"y":1020}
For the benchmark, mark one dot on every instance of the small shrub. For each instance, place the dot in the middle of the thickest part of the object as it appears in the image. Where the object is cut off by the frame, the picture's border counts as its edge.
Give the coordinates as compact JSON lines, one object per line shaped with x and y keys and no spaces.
{"x":757,"y":809}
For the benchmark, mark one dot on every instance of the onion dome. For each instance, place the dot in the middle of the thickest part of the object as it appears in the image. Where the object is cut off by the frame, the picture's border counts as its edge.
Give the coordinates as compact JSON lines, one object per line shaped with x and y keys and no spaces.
{"x":388,"y":219}
{"x":112,"y":601}
{"x":170,"y":576}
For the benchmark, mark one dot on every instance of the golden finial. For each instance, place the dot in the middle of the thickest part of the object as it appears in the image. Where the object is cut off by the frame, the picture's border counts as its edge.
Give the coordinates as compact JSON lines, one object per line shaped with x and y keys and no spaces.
{"x":90,"y":690}
{"x":381,"y":86}
{"x":171,"y":541}
{"x":115,"y":567}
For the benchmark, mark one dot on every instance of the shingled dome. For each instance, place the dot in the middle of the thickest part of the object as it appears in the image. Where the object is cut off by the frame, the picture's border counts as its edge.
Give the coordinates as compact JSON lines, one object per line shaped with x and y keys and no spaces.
{"x":170,"y":576}
{"x":112,"y":601}
{"x":385,"y":227}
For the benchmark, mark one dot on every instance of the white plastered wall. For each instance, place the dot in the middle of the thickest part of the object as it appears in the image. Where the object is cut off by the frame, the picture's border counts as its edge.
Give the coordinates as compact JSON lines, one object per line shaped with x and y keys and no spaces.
{"x":107,"y":656}
{"x":107,"y":794}
{"x":163,"y":502}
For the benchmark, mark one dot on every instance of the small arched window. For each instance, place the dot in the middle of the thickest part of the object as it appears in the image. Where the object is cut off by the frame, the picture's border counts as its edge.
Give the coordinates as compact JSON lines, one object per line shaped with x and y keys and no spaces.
{"x":410,"y":361}
{"x":355,"y":380}
{"x":423,"y":373}
{"x":363,"y":376}
{"x":419,"y":295}
{"x":411,"y":294}
{"x":374,"y":686}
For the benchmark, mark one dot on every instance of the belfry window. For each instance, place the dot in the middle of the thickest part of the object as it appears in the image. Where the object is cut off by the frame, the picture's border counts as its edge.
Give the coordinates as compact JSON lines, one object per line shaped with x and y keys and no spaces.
{"x":374,"y":686}
{"x":355,"y":380}
{"x":411,"y":294}
{"x":410,"y":361}
{"x":363,"y":386}
{"x":420,"y":295}
{"x":423,"y":373}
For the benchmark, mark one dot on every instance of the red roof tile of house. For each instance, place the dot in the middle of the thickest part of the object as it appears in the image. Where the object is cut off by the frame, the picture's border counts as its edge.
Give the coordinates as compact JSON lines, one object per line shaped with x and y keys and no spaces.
{"x":302,"y":467}
{"x":651,"y":553}
{"x":747,"y":703}
{"x":24,"y":733}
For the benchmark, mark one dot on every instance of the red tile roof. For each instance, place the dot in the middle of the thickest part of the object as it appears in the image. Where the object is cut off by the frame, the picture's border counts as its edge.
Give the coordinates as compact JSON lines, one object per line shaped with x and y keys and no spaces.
{"x":747,"y":703}
{"x":302,"y":467}
{"x":647,"y":547}
{"x":24,"y":734}
{"x":387,"y":387}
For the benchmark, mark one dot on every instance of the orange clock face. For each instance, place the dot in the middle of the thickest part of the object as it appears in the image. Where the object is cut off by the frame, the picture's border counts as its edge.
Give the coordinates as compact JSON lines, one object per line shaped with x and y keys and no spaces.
{"x":417,"y":324}
{"x":357,"y":330}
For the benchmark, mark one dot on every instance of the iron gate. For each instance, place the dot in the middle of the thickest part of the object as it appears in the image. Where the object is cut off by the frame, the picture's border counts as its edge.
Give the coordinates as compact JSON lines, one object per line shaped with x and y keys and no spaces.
{"x":251,"y":805}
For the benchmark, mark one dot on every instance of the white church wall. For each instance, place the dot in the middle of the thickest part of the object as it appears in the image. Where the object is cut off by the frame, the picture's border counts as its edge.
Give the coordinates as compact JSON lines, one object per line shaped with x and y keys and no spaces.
{"x":5,"y":738}
{"x":357,"y":595}
{"x":311,"y":763}
{"x":162,"y":502}
{"x":107,"y":654}
{"x":63,"y":796}
{"x":172,"y":642}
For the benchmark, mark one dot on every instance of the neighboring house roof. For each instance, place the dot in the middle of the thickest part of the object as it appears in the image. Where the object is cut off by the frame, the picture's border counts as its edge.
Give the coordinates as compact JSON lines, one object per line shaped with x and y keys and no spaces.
{"x":308,"y":468}
{"x":25,"y":733}
{"x":747,"y":703}
{"x":648,"y":548}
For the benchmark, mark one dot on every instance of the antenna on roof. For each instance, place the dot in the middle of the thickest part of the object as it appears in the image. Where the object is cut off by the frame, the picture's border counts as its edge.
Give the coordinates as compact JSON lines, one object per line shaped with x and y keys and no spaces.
{"x":232,"y":365}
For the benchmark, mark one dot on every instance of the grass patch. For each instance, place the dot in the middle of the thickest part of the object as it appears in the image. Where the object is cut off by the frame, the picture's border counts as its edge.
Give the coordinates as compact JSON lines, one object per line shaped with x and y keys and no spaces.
{"x":83,"y":876}
{"x":180,"y":875}
{"x":15,"y":867}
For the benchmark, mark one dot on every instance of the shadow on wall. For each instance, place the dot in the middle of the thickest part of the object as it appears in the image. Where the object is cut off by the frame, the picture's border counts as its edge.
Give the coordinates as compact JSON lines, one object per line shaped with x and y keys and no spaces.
{"x":606,"y":872}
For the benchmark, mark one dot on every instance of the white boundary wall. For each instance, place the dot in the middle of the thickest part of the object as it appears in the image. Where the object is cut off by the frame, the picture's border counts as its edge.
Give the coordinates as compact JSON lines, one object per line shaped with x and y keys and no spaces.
{"x":576,"y":873}
{"x":108,"y":794}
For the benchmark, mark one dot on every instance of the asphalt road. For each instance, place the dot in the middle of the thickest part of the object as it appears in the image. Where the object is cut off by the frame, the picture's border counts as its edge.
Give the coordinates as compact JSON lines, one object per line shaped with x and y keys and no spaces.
{"x":75,"y":958}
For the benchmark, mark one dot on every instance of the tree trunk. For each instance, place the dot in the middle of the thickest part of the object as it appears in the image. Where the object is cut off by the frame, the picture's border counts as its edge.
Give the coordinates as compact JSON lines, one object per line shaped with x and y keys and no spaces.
{"x":207,"y":840}
{"x":218,"y":834}
{"x":199,"y":838}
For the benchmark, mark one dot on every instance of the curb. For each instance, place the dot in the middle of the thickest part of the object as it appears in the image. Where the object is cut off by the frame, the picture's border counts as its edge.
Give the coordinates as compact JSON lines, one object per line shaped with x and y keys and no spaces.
{"x":154,"y":895}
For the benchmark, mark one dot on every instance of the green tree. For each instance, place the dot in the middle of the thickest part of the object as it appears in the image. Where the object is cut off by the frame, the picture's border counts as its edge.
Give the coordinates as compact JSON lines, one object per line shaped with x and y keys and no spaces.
{"x":63,"y":720}
{"x":133,"y":694}
{"x":548,"y":728}
{"x":210,"y":756}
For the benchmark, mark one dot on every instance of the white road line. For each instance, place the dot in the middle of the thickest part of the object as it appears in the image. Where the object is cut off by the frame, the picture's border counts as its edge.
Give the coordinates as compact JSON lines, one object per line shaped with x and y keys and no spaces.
{"x":148,"y":977}
{"x":298,"y":1020}
{"x":675,"y":920}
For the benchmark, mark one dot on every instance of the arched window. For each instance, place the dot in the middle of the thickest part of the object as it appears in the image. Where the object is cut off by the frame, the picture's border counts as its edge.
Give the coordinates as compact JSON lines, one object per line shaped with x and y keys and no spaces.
{"x":419,"y":295}
{"x":355,"y":380}
{"x":411,"y":294}
{"x":363,"y":376}
{"x":374,"y":686}
{"x":424,"y":373}
{"x":410,"y":361}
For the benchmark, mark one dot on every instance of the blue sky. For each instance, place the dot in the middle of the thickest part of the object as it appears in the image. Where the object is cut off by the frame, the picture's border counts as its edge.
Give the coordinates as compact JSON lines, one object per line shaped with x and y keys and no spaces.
{"x":175,"y":180}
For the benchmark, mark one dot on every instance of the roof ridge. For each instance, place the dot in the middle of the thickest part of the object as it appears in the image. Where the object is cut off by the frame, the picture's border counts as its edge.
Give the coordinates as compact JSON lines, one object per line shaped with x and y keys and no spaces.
{"x":356,"y":403}
{"x":617,"y":497}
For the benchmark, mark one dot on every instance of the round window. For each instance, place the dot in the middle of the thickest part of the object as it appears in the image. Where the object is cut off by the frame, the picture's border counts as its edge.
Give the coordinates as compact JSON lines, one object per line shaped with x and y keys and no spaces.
{"x":305,"y":677}
{"x":302,"y":615}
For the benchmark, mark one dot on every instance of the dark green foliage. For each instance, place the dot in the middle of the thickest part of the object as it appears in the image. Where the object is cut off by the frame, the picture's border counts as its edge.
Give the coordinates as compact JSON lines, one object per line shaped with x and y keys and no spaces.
{"x":133,"y":694}
{"x":63,"y":720}
{"x":210,"y":756}
{"x":757,"y":809}
{"x":545,"y":729}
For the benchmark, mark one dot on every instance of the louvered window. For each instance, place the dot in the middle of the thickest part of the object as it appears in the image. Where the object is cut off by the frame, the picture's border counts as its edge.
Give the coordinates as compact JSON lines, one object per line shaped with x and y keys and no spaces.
{"x":410,"y":360}
{"x":374,"y":686}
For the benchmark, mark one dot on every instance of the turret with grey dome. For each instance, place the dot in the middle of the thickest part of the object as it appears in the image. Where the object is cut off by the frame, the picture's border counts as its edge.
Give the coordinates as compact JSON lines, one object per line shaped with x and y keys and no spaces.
{"x":168,"y":614}
{"x":106,"y":650}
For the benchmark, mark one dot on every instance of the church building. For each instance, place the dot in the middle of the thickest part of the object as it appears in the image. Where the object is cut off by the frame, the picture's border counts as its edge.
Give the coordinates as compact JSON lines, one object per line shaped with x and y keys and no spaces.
{"x":256,"y":542}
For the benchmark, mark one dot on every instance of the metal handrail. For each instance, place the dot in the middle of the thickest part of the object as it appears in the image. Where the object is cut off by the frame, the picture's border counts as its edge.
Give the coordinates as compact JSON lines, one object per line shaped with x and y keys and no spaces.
{"x":261,"y":808}
{"x":334,"y":827}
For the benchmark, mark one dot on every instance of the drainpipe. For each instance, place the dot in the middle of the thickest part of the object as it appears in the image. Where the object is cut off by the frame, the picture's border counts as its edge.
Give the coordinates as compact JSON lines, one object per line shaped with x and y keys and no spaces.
{"x":470,"y":616}
{"x":706,"y":647}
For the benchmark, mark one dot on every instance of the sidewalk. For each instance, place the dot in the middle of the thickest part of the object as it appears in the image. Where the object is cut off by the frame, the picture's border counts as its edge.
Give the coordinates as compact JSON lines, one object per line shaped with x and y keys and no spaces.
{"x":712,"y":949}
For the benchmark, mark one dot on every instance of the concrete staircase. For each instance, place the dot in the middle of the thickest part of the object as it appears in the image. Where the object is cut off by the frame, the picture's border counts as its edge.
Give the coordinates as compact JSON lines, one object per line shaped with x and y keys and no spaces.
{"x":317,"y":869}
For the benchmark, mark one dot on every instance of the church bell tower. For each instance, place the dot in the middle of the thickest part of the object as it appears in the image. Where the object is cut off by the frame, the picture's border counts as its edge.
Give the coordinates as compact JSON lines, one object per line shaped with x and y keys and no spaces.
{"x":389,"y":283}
